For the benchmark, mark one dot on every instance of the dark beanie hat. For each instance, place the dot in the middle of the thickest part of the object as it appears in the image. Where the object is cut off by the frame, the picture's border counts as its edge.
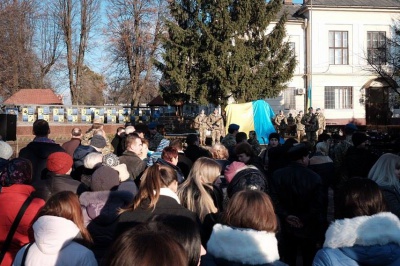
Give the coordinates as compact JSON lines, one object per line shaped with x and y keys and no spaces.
{"x":298,"y":152}
{"x":358,"y":138}
{"x":273,"y":136}
{"x":104,"y":178}
{"x":248,"y":178}
{"x":59,"y":162}
{"x":98,"y":141}
{"x":16,"y":171}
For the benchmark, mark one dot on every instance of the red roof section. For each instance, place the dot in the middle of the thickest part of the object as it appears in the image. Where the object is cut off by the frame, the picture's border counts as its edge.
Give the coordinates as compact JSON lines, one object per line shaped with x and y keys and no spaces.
{"x":34,"y":96}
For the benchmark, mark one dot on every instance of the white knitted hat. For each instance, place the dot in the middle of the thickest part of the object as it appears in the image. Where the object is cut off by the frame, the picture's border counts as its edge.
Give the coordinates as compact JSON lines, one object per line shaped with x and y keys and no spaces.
{"x":5,"y":150}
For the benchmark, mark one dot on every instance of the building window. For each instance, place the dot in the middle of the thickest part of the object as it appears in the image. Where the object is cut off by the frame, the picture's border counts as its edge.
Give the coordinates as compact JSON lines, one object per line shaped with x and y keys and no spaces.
{"x":376,"y":47}
{"x":338,"y":48}
{"x":289,"y":99}
{"x":292,"y":46}
{"x":338,"y":97}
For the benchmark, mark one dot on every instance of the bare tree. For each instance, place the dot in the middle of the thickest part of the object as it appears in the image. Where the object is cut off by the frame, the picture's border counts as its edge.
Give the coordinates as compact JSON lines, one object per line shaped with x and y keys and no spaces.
{"x":134,"y":28}
{"x":77,"y":19}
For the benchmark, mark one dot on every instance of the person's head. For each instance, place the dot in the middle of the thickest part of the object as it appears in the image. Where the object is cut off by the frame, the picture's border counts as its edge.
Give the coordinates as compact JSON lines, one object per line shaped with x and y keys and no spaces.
{"x":170,"y":154}
{"x":205,"y":171}
{"x":216,"y":112}
{"x":120,"y":131}
{"x":41,"y":128}
{"x":300,"y":113}
{"x":360,"y":140}
{"x":92,"y":159}
{"x":145,"y":145}
{"x":153,"y":179}
{"x":137,"y":247}
{"x":152,"y":126}
{"x":202,"y":112}
{"x":66,"y":204}
{"x":104,"y":178}
{"x":242,"y":208}
{"x":310,"y":110}
{"x":299,"y":153}
{"x":273,"y":139}
{"x":134,"y":144}
{"x":386,"y":170}
{"x":177,"y":144}
{"x":184,"y":230}
{"x":290,"y":115}
{"x":97,"y":123}
{"x":244,"y":152}
{"x":98,"y":142}
{"x":219,"y":151}
{"x":359,"y":197}
{"x":59,"y":163}
{"x":322,"y":147}
{"x":5,"y":150}
{"x":280,"y":112}
{"x":192,"y":139}
{"x":76,"y":132}
{"x":248,"y":177}
{"x":233,"y":128}
{"x":232,"y":169}
{"x":140,"y":133}
{"x":252,"y":134}
{"x":110,"y":159}
{"x":350,"y":128}
{"x":161,"y":129}
{"x":129,"y":130}
{"x":16,"y":171}
{"x":241,"y":137}
{"x":318,"y":110}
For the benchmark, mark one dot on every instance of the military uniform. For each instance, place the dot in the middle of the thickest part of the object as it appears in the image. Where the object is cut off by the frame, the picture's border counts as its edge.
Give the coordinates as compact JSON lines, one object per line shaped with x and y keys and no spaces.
{"x":154,"y":141}
{"x":281,"y":124}
{"x":321,"y":123}
{"x":216,"y":123}
{"x":299,"y":127}
{"x":89,"y":135}
{"x":201,"y":124}
{"x":311,"y":126}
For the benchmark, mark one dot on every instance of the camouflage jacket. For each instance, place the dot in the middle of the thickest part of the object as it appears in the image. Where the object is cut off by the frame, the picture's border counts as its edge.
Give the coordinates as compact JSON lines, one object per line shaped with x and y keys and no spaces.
{"x":154,"y":141}
{"x":299,"y":125}
{"x":216,"y":122}
{"x":279,"y":118}
{"x":321,"y":121}
{"x":229,"y":141}
{"x":89,"y":135}
{"x":201,"y":121}
{"x":310,"y":121}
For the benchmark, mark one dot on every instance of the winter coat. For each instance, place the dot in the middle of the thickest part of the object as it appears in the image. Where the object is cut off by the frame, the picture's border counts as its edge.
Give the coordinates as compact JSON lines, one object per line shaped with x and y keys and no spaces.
{"x":71,"y":145}
{"x":194,"y":152}
{"x":240,"y":246}
{"x":37,"y":153}
{"x":359,"y":161}
{"x":100,"y":213}
{"x":364,"y":240}
{"x":168,"y":203}
{"x":11,"y":200}
{"x":54,"y":245}
{"x":392,"y":198}
{"x":297,"y":190}
{"x":55,"y":183}
{"x":178,"y":171}
{"x":135,"y":165}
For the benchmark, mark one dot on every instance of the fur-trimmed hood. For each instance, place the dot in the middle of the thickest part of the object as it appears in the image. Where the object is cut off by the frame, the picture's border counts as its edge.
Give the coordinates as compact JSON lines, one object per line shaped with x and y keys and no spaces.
{"x":378,"y":229}
{"x":245,"y":246}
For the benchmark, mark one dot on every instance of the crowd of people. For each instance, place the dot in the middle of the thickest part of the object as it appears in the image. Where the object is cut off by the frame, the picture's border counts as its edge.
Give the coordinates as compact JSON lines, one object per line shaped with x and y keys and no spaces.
{"x":141,"y":198}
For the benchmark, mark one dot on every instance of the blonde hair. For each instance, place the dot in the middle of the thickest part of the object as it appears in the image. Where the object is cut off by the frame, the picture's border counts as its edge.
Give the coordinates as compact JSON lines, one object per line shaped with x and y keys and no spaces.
{"x":193,"y":194}
{"x":383,"y":171}
{"x":219,"y":151}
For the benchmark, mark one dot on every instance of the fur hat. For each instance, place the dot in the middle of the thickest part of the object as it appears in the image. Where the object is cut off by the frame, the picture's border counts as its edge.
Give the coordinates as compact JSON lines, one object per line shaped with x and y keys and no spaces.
{"x":104,"y":178}
{"x":59,"y":162}
{"x":110,"y":159}
{"x":358,"y":138}
{"x":5,"y":150}
{"x":273,"y":136}
{"x":232,"y":169}
{"x":248,"y":178}
{"x":16,"y":171}
{"x":98,"y":141}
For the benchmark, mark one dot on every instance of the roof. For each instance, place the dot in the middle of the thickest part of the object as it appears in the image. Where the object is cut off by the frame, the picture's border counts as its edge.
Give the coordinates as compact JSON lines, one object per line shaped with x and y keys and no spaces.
{"x":355,"y":3}
{"x":158,"y":101}
{"x":34,"y":96}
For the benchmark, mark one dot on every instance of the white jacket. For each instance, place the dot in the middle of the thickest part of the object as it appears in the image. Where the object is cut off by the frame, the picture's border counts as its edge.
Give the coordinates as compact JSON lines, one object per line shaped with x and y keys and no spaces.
{"x":54,"y":245}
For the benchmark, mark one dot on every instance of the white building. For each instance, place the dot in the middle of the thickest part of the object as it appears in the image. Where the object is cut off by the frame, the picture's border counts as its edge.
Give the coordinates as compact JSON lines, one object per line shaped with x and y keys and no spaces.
{"x":332,"y":39}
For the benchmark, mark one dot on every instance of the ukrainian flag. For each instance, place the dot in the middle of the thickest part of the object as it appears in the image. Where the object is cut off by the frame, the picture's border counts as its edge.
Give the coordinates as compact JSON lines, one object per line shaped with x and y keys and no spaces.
{"x":256,"y":115}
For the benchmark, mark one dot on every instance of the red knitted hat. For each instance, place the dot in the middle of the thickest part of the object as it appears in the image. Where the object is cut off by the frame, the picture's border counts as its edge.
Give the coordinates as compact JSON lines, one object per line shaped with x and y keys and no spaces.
{"x":59,"y":162}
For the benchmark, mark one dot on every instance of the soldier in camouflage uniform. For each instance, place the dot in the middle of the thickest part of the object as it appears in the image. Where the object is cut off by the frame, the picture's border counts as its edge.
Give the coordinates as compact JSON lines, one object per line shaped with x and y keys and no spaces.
{"x":154,"y":136}
{"x":97,"y":129}
{"x":216,"y":124}
{"x":280,"y":123}
{"x":299,"y":126}
{"x":201,"y":125}
{"x":310,"y":122}
{"x":253,"y":141}
{"x":229,"y":141}
{"x":321,"y":121}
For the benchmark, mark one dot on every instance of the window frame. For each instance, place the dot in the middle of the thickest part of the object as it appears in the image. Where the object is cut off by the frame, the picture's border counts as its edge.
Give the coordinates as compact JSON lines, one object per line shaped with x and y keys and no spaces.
{"x":338,"y":97}
{"x":377,"y":57}
{"x":342,"y":49}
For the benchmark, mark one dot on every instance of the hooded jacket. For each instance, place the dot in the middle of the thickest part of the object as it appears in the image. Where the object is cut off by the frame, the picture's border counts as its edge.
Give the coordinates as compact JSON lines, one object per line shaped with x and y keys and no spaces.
{"x":54,"y":245}
{"x":37,"y":153}
{"x":11,"y":200}
{"x":239,"y":246}
{"x":100,"y":213}
{"x":364,"y":240}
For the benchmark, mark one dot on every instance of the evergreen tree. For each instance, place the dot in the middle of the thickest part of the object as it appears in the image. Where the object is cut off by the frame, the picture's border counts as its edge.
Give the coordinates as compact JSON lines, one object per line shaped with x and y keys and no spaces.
{"x":233,"y":50}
